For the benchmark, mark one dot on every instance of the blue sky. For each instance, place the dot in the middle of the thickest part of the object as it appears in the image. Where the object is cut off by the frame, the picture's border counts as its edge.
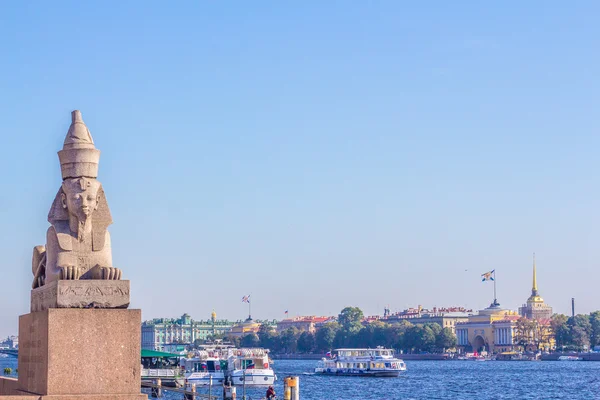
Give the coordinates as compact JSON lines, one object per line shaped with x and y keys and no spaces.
{"x":316,"y":154}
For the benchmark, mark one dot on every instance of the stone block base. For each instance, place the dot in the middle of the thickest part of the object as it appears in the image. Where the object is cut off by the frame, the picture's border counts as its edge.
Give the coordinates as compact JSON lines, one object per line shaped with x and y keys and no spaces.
{"x":97,"y":397}
{"x":78,"y":397}
{"x":87,"y":352}
{"x":8,"y":387}
{"x":80,"y":294}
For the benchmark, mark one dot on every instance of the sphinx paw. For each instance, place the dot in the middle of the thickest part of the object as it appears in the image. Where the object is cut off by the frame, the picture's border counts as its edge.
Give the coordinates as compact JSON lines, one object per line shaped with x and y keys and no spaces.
{"x":111,"y":273}
{"x":70,"y":273}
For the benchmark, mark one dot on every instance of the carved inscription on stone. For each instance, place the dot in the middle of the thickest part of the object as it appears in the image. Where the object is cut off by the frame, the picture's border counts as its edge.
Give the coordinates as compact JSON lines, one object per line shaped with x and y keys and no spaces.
{"x":81,"y":294}
{"x":93,"y":291}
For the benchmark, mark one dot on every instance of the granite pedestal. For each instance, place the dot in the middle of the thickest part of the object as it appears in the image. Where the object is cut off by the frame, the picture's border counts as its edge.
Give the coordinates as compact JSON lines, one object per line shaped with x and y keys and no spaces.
{"x":80,"y":354}
{"x":80,"y":294}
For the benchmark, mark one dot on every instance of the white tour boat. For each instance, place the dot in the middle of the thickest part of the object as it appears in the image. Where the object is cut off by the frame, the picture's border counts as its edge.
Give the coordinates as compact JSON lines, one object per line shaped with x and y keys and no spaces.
{"x":200,"y":370}
{"x":210,"y":362}
{"x":252,"y":367}
{"x":379,"y":362}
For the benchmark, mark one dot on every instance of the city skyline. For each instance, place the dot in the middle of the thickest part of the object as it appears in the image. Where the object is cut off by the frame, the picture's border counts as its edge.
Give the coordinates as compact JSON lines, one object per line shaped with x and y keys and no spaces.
{"x":315,"y":156}
{"x":286,"y":315}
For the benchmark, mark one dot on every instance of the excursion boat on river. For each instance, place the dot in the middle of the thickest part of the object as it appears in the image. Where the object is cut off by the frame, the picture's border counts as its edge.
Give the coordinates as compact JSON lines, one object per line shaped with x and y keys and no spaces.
{"x":245,"y":366}
{"x":378,"y":362}
{"x":570,"y":358}
{"x":252,"y":367}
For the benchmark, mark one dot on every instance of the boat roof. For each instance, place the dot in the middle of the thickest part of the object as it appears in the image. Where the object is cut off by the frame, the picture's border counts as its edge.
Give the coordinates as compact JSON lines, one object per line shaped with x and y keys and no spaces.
{"x":158,"y":354}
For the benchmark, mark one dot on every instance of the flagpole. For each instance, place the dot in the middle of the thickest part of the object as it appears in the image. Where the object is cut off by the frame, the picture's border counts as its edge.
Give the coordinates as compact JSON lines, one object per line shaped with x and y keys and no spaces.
{"x":495,"y":301}
{"x":249,"y":309}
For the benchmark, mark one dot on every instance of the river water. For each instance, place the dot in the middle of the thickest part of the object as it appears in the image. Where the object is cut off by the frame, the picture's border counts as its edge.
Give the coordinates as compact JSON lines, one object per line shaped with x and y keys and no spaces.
{"x":438,"y":380}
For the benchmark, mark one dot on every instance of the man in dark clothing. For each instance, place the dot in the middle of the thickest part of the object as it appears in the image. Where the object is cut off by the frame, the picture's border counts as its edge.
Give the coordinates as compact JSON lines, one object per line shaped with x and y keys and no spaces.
{"x":270,"y":393}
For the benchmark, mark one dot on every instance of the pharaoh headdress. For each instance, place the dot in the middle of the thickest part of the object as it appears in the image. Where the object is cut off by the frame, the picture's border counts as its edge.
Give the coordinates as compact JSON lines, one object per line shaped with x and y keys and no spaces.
{"x":79,"y":159}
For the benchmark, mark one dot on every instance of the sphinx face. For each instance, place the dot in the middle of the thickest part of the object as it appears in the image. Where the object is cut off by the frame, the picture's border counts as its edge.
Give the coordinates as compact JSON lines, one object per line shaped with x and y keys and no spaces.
{"x":81,"y":197}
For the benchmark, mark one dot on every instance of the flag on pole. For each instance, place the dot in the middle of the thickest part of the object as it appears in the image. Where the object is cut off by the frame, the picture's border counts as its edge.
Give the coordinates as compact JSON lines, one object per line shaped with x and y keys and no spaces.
{"x":246,"y":299}
{"x":488,"y":276}
{"x":286,"y":312}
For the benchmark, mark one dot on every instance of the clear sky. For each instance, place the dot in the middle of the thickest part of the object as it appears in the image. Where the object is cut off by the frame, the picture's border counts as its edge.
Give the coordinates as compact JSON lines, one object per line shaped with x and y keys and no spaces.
{"x":314,"y":154}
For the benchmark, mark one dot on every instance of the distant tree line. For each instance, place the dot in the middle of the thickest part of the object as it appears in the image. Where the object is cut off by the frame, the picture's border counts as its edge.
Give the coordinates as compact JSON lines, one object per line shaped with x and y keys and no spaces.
{"x":349,"y":331}
{"x":581,"y":332}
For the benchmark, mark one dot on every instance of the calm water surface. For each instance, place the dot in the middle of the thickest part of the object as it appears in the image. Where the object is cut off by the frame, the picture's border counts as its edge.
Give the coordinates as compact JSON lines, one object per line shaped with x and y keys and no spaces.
{"x":440,"y":380}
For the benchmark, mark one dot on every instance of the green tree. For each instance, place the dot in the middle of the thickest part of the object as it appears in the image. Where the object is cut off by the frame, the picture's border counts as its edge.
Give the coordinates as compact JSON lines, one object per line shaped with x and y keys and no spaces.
{"x":250,"y":340}
{"x":523,"y":332}
{"x":325,"y":336}
{"x":306,"y":342}
{"x":380,"y":335}
{"x":579,"y":337}
{"x":398,"y":331}
{"x":435,"y":328}
{"x":364,"y":337}
{"x":343,"y":338}
{"x":269,"y":339}
{"x":446,"y":339}
{"x":289,"y":340}
{"x":234,"y":340}
{"x":419,"y":338}
{"x":427,"y":339}
{"x":595,"y":323}
{"x":350,"y":318}
{"x":581,"y":330}
{"x":562,"y":331}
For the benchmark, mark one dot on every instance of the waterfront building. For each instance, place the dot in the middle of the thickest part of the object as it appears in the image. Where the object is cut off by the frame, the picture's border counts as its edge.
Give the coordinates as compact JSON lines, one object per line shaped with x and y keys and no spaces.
{"x":535,"y":308}
{"x":491,"y":329}
{"x":245,"y":328}
{"x":304,"y":324}
{"x":162,"y":334}
{"x":446,"y":317}
{"x":498,"y":330}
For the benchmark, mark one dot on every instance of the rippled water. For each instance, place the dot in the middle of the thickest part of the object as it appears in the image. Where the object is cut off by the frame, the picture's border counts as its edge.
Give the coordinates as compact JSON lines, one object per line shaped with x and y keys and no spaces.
{"x":440,"y":380}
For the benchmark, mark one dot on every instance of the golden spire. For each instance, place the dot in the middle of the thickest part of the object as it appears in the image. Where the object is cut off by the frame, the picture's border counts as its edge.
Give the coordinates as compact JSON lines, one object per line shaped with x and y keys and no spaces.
{"x":534,"y":289}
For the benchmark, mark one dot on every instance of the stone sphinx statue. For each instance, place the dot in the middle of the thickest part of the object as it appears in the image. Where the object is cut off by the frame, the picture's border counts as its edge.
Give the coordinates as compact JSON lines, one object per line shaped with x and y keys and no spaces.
{"x":77,"y":242}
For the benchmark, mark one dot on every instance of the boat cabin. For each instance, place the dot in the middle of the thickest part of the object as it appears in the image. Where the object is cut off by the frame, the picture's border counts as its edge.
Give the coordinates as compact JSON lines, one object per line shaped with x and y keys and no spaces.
{"x":378,"y":353}
{"x":205,"y":365}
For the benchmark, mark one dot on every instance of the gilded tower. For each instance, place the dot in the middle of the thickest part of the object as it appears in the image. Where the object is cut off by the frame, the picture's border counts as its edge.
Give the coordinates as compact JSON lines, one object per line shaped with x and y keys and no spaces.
{"x":535,"y":307}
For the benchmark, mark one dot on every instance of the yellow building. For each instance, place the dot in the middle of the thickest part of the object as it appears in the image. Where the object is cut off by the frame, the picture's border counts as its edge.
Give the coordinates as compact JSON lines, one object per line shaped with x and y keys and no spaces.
{"x":498,"y":330}
{"x":491,"y":330}
{"x":246,"y":327}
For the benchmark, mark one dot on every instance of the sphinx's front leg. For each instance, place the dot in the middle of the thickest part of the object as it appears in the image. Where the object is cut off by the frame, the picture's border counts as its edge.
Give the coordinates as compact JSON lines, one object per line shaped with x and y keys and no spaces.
{"x":70,"y":272}
{"x":105,"y":273}
{"x":111,"y":273}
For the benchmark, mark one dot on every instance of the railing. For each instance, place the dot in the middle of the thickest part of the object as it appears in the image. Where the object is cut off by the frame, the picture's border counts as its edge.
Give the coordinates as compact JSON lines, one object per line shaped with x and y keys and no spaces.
{"x":157,"y":388}
{"x":160,"y":373}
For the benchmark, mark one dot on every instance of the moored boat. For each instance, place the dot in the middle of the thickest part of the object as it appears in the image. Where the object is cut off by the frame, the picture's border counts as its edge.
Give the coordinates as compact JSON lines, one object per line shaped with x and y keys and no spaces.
{"x":246,"y":366}
{"x":251,"y":367}
{"x":156,"y":364}
{"x":210,"y":363}
{"x":378,"y":362}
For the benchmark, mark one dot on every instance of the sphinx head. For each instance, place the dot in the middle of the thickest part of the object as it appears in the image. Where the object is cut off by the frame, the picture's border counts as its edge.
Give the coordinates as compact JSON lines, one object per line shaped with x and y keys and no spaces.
{"x":80,"y":197}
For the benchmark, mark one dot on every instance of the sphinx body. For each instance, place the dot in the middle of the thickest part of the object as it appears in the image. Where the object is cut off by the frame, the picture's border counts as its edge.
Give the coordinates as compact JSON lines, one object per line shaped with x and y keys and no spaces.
{"x":77,"y":242}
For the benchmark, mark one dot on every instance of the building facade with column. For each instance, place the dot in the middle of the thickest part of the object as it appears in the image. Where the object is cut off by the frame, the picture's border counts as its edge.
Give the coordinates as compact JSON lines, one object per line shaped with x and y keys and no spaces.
{"x":490,"y":330}
{"x":162,"y":334}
